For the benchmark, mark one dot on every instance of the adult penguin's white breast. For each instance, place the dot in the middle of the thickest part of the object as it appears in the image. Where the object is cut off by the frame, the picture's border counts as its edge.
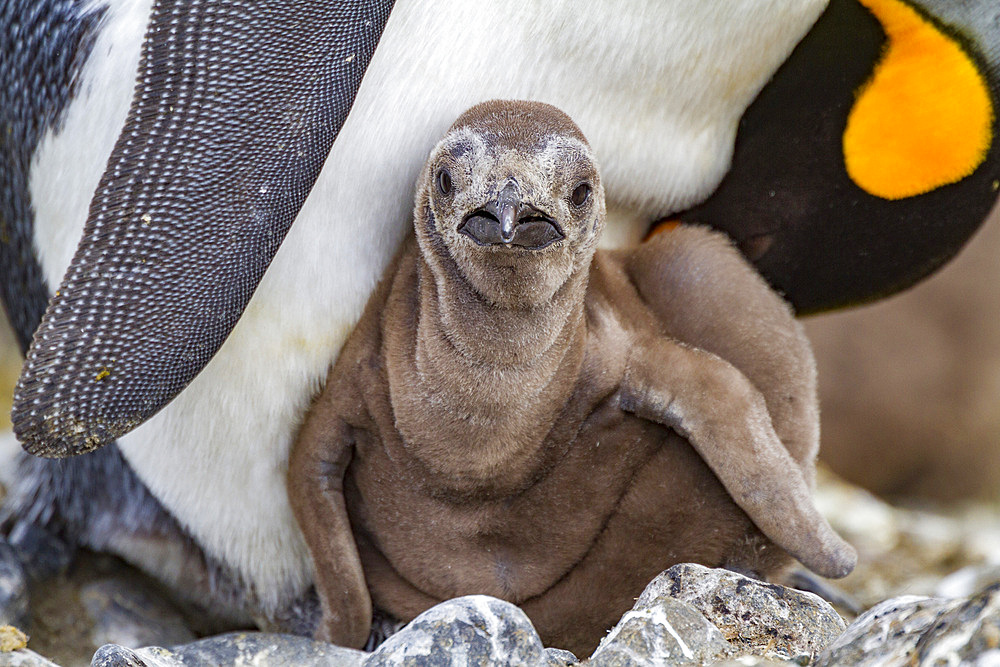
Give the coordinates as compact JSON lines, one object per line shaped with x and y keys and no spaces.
{"x":658,"y":86}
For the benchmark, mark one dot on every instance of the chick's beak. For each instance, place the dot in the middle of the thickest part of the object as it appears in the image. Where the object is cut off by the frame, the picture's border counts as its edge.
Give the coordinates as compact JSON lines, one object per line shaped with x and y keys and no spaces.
{"x":509,"y":221}
{"x":508,"y":218}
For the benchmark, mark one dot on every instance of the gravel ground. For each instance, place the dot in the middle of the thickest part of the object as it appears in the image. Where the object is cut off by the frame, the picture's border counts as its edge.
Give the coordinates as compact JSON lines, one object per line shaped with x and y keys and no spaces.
{"x":903,"y":551}
{"x":949,"y":551}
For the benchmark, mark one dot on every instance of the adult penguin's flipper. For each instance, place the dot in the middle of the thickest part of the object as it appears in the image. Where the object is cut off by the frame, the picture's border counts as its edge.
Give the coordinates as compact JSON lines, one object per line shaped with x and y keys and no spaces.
{"x":226,"y":120}
{"x":872,"y":155}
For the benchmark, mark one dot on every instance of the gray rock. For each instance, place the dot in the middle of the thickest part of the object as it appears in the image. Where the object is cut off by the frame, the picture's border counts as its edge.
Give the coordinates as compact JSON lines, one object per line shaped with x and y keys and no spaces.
{"x":128,"y":612}
{"x":13,"y":588}
{"x":236,"y":648}
{"x":758,"y":618}
{"x":887,"y":633}
{"x":557,"y":657}
{"x":24,"y":658}
{"x":471,"y":630}
{"x":758,"y":661}
{"x":660,"y":630}
{"x":258,"y":648}
{"x":968,"y":634}
{"x":112,"y":655}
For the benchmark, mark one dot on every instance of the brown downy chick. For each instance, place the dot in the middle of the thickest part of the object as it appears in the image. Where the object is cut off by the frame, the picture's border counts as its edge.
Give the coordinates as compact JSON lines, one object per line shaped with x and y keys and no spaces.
{"x":518,"y":416}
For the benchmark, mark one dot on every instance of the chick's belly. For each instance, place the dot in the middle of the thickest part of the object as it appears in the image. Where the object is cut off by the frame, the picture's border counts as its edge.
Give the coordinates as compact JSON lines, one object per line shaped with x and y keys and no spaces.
{"x":515,"y":547}
{"x":627,"y":500}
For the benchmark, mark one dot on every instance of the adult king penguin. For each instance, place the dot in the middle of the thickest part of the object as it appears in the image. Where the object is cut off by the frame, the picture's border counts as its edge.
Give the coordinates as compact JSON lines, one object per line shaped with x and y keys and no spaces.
{"x":148,"y":259}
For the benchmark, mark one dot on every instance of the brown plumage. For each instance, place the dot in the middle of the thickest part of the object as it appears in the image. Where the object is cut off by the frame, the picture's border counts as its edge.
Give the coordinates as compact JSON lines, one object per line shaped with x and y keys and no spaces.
{"x":518,"y":416}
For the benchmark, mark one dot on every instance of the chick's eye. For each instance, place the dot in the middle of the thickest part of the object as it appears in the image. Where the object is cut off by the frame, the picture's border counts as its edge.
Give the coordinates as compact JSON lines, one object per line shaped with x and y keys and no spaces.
{"x":581,"y":194}
{"x":444,"y":181}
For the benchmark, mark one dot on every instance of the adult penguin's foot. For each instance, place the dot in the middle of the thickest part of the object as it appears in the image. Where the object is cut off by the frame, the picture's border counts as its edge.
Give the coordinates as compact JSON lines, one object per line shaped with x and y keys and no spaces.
{"x":13,"y":588}
{"x":802,"y":579}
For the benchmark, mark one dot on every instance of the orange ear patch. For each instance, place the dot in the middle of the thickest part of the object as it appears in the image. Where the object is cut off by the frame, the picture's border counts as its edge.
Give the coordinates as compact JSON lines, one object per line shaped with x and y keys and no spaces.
{"x":925,"y":117}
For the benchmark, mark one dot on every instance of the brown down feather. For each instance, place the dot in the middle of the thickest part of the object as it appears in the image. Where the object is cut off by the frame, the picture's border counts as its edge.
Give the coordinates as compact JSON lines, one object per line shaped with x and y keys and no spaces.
{"x":554,"y":426}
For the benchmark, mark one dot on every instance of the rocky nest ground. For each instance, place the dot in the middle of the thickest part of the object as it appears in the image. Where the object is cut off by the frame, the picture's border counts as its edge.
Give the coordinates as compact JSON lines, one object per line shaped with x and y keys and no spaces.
{"x":924,"y":592}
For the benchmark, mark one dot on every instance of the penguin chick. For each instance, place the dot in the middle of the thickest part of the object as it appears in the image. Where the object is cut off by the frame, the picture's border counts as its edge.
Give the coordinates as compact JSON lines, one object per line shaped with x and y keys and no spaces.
{"x":521,"y":416}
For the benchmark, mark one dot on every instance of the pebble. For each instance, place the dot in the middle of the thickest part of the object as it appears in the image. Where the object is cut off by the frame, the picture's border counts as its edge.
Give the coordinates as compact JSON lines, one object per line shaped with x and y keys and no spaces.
{"x":113,"y":655}
{"x":235,"y":648}
{"x":886,"y":632}
{"x":968,"y":634}
{"x":24,"y":658}
{"x":470,"y":630}
{"x":758,"y":618}
{"x":925,"y":631}
{"x":123,"y":611}
{"x":557,"y":657}
{"x":660,"y":630}
{"x":12,"y":639}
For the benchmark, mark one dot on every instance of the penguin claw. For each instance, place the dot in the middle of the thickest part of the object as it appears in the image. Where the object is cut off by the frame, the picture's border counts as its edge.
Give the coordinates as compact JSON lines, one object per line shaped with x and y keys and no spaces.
{"x":13,"y":588}
{"x":802,"y":579}
{"x":42,"y":553}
